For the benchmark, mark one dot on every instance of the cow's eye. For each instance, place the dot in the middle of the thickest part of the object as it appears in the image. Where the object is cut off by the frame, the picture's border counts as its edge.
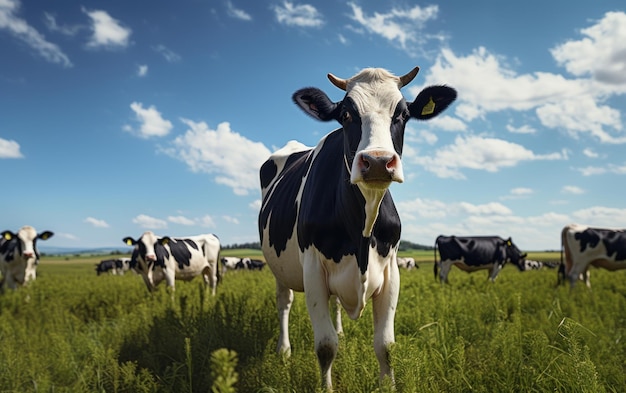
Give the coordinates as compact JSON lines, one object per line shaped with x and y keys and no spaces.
{"x":346,"y":117}
{"x":403,"y":116}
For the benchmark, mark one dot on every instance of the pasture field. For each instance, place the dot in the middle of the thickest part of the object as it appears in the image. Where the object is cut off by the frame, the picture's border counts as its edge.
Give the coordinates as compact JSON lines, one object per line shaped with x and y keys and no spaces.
{"x":72,"y":331}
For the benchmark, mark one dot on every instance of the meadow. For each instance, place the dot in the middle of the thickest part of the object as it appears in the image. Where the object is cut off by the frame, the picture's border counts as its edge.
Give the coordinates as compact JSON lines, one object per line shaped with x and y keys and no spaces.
{"x":72,"y":331}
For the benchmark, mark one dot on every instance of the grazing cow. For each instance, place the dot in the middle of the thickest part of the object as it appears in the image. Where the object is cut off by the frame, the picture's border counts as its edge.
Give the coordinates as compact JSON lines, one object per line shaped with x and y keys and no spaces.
{"x":475,"y":253}
{"x":166,"y":258}
{"x":584,"y":246}
{"x":328,"y":225}
{"x":19,"y":256}
{"x":250,"y":264}
{"x":114,"y":266}
{"x":229,"y":263}
{"x":536,"y":265}
{"x":407,"y":263}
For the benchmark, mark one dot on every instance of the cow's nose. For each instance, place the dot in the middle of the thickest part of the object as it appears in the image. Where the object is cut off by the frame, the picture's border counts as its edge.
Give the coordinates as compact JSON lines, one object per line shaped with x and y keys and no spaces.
{"x":29,"y":254}
{"x":378,"y":166}
{"x":151,"y":257}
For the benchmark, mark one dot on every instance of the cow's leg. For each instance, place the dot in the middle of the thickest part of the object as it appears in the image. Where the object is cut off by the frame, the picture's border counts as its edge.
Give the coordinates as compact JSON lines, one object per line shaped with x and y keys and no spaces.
{"x":317,"y":302}
{"x":337,"y":308}
{"x":210,"y":279}
{"x":494,"y":272}
{"x":445,"y":270}
{"x":384,"y":310}
{"x":284,"y":299}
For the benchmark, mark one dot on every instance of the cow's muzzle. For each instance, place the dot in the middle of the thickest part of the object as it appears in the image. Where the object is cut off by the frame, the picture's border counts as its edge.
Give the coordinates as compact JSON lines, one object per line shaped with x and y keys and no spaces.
{"x":377,"y":168}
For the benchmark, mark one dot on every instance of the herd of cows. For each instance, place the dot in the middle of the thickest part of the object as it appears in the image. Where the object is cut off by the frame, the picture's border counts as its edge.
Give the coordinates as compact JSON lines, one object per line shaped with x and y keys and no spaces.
{"x":328,"y":225}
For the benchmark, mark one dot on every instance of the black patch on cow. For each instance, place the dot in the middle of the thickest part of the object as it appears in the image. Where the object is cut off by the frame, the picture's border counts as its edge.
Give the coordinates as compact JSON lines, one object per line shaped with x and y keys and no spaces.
{"x":9,"y":248}
{"x":268,"y":172}
{"x":180,"y":251}
{"x":614,"y":241}
{"x":282,"y":206}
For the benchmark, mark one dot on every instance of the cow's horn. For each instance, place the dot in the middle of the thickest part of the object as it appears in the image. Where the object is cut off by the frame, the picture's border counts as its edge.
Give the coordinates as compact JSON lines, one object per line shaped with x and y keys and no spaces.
{"x":407,"y":78}
{"x":340,"y":83}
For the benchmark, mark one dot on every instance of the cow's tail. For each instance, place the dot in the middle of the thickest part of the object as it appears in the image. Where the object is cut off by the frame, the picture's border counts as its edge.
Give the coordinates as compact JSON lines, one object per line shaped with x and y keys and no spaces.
{"x":435,"y":265}
{"x":560,"y":279}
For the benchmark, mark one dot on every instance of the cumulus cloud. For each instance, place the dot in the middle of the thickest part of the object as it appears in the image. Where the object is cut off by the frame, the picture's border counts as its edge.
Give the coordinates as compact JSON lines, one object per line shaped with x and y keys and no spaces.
{"x":600,"y":54}
{"x":597,"y":170}
{"x":237,"y":13}
{"x":232,"y":159}
{"x":402,"y":27}
{"x":107,"y":31}
{"x":96,"y":222}
{"x":473,"y":152}
{"x":181,"y":220}
{"x":152,"y":123}
{"x":572,"y":190}
{"x":9,"y":149}
{"x":525,"y":129}
{"x":519,"y":193}
{"x":148,"y":222}
{"x":20,"y":29}
{"x":600,"y":216}
{"x":302,"y":15}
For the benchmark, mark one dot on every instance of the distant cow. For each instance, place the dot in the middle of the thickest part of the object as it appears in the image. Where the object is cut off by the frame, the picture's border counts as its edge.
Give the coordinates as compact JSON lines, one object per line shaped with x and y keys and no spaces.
{"x":584,"y":246}
{"x":113,"y":266}
{"x":166,"y":258}
{"x":229,"y":263}
{"x":19,"y":256}
{"x":536,"y":265}
{"x":328,"y":225}
{"x":250,"y":264}
{"x":475,"y":253}
{"x":407,"y":263}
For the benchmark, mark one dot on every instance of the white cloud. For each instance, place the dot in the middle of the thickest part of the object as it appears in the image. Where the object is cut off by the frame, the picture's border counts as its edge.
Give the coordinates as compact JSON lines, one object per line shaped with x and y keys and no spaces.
{"x":304,"y":15}
{"x":590,"y":153}
{"x":610,"y":168}
{"x":142,"y":70}
{"x":232,"y":220}
{"x":473,"y":152}
{"x":236,"y":12}
{"x":207,"y":221}
{"x":9,"y":149}
{"x":525,"y":129}
{"x":181,"y":220}
{"x":148,"y":222}
{"x":601,"y":53}
{"x":24,"y":32}
{"x":152,"y":123}
{"x":169,"y":55}
{"x":600,"y":216}
{"x":447,"y":123}
{"x":402,"y":27}
{"x":107,"y":31}
{"x":96,"y":222}
{"x":519,"y":191}
{"x":255,"y":205}
{"x":233,"y":159}
{"x":52,"y":25}
{"x":572,"y":190}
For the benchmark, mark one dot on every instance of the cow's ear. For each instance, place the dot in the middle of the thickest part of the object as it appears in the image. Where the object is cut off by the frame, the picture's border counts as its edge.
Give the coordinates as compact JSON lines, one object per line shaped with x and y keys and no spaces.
{"x":431,"y":101}
{"x":129,"y":241}
{"x":45,"y":235}
{"x":7,"y":235}
{"x":164,"y":240}
{"x":316,"y":104}
{"x":509,"y":242}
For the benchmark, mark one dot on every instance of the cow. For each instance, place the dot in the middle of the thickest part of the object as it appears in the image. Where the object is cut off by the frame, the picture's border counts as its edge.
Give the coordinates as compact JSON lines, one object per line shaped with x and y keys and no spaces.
{"x":113,"y":266}
{"x":584,"y":246}
{"x":328,"y":225}
{"x":407,"y":263}
{"x":166,"y":258}
{"x":19,"y":256}
{"x":536,"y":265}
{"x":472,"y":253}
{"x":229,"y":263}
{"x":250,"y":264}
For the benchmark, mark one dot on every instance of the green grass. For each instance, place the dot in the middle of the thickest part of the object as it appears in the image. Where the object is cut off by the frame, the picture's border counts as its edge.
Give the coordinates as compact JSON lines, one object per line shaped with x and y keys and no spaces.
{"x":72,"y":331}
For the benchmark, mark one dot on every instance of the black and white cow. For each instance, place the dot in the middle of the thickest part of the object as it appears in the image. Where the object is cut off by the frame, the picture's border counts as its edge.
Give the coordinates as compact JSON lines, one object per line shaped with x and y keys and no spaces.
{"x":250,"y":264}
{"x":116,"y":266}
{"x":472,"y":253}
{"x":165,"y":258}
{"x":327,"y":224}
{"x":19,"y":256}
{"x":584,"y":246}
{"x":407,"y":263}
{"x":537,"y":265}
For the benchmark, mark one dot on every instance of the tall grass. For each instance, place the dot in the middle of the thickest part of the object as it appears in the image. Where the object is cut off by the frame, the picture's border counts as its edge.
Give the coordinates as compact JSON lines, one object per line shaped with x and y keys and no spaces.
{"x":71,"y":331}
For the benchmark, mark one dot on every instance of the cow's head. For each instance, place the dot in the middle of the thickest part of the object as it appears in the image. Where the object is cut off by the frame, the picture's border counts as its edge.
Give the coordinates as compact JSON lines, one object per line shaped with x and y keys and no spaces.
{"x":514,"y":255}
{"x":373,"y":114}
{"x":22,"y":247}
{"x":145,"y":252}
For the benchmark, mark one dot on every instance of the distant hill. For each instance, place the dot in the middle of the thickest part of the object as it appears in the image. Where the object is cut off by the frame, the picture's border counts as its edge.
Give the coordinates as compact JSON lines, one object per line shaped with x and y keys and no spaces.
{"x":407,"y":245}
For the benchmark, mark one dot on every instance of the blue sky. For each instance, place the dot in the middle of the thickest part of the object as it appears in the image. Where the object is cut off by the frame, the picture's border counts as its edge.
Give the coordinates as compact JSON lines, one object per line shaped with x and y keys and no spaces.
{"x":117,"y":117}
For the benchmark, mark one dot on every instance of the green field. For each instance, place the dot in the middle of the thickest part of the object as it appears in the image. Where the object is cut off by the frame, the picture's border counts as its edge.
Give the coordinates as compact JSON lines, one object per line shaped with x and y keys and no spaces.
{"x":72,"y":331}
